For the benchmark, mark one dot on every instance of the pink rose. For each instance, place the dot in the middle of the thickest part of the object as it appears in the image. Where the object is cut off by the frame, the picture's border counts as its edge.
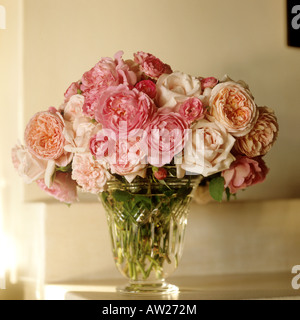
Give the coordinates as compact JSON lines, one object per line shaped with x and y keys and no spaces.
{"x":261,"y":138}
{"x":148,"y":87}
{"x":73,"y":89}
{"x":90,"y":174}
{"x":244,"y":172}
{"x":233,"y":107}
{"x":102,"y":144}
{"x":129,"y":160}
{"x":210,"y":82}
{"x":106,"y":73}
{"x":166,"y":137}
{"x":121,"y":105}
{"x":44,"y":136}
{"x":150,"y":65}
{"x":63,"y":188}
{"x":192,"y":110}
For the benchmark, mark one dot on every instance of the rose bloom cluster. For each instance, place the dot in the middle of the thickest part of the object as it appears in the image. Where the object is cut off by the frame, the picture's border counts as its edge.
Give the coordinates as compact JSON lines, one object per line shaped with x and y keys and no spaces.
{"x":125,"y":116}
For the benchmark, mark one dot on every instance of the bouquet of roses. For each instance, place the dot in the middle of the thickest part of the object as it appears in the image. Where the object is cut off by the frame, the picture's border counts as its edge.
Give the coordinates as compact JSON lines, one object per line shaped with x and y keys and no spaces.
{"x":137,"y":119}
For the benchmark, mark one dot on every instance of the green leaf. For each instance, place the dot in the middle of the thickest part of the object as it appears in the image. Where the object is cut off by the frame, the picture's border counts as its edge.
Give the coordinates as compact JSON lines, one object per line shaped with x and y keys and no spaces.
{"x":228,"y":194}
{"x":123,"y":196}
{"x":64,"y":169}
{"x":216,"y":188}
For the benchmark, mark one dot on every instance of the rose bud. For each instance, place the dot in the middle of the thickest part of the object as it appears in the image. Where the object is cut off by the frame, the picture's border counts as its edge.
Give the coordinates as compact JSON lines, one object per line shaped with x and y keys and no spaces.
{"x":161,"y":174}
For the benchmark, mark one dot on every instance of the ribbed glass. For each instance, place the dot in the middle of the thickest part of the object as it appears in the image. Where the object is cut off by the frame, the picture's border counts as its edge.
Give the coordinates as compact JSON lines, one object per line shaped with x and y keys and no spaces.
{"x":147,"y":223}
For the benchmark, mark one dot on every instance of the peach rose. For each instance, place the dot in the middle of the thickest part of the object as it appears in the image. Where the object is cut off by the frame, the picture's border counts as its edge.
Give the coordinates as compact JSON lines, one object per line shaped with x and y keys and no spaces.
{"x":261,"y":138}
{"x":233,"y":107}
{"x":44,"y":136}
{"x":208,"y":151}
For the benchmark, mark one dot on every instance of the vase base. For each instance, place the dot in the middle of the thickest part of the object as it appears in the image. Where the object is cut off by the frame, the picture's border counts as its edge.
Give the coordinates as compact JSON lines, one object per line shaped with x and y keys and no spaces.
{"x":161,"y":288}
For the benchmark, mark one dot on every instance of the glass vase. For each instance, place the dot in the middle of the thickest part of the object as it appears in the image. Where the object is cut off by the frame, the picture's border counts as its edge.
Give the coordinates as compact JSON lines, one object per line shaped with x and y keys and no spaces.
{"x":147,"y":222}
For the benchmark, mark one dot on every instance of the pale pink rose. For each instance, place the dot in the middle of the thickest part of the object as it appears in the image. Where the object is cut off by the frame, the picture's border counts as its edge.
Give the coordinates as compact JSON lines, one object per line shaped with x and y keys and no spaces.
{"x":177,"y":87}
{"x":208,"y":150}
{"x":78,"y":134}
{"x":27,"y":165}
{"x":90,"y":174}
{"x":63,"y":187}
{"x":233,"y":107}
{"x":148,"y":87}
{"x":129,"y":160}
{"x":106,"y":73}
{"x":64,"y":159}
{"x":121,"y":105}
{"x":210,"y":82}
{"x":245,"y":172}
{"x":73,"y":108}
{"x":73,"y":89}
{"x":192,"y":109}
{"x":44,"y":136}
{"x":261,"y":138}
{"x":166,"y":137}
{"x":150,"y":65}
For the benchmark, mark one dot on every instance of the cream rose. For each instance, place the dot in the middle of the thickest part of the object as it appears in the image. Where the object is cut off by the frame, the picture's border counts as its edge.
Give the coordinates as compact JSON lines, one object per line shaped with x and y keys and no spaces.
{"x":208,"y":150}
{"x":233,"y":107}
{"x":175,"y":87}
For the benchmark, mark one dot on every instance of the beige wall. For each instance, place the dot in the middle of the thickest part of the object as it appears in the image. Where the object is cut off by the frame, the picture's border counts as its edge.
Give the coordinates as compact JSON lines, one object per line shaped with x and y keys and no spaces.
{"x":245,"y":39}
{"x":50,"y":43}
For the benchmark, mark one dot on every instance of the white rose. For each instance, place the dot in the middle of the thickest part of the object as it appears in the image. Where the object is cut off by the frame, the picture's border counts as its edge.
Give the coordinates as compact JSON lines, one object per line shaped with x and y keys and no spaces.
{"x":208,"y":150}
{"x":27,"y":165}
{"x":175,"y":87}
{"x":78,"y":134}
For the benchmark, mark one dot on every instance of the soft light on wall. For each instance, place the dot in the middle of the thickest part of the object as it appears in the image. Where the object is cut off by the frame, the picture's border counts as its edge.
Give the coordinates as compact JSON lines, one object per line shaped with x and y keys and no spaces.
{"x":7,"y":246}
{"x":2,"y":17}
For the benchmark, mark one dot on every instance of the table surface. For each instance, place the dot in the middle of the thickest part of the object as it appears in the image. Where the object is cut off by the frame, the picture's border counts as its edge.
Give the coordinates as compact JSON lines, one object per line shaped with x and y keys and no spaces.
{"x":220,"y":287}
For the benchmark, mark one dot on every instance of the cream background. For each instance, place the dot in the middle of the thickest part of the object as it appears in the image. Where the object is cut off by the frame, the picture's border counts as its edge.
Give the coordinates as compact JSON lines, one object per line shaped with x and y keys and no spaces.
{"x":50,"y":43}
